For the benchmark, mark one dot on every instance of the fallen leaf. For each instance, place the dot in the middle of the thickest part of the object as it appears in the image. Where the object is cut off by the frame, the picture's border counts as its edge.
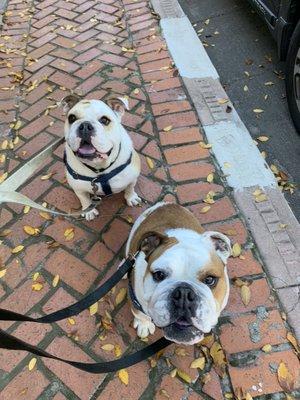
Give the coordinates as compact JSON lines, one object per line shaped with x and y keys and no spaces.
{"x":17,"y":249}
{"x":246,"y":88}
{"x":223,"y":101}
{"x":168,"y":128}
{"x":35,"y":276}
{"x":290,"y":337}
{"x":32,"y":363}
{"x":210,"y":178}
{"x":118,"y":351}
{"x":261,"y":197}
{"x":55,"y":281}
{"x":2,"y":273}
{"x":26,"y":209}
{"x":198,"y":363}
{"x":245,"y":294}
{"x":36,"y":287}
{"x":205,"y":145}
{"x":248,"y":396}
{"x":266,"y":348}
{"x":93,"y":308}
{"x":123,"y":376}
{"x":150,"y":162}
{"x":136,"y":91}
{"x":263,"y":138}
{"x":4,"y":144}
{"x":45,"y":215}
{"x":71,"y":321}
{"x":3,"y":177}
{"x":107,"y":347}
{"x":218,"y":357}
{"x":173,"y":373}
{"x":46,"y":177}
{"x":69,"y":234}
{"x":30,"y":230}
{"x":18,"y":125}
{"x":285,"y":378}
{"x":121,"y":296}
{"x":5,"y":232}
{"x":205,"y":209}
{"x":258,"y":110}
{"x":236,"y":250}
{"x":184,"y":376}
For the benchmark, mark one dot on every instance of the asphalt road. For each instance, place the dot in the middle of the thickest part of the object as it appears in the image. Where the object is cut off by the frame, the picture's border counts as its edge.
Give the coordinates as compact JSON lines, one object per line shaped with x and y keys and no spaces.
{"x":245,"y":56}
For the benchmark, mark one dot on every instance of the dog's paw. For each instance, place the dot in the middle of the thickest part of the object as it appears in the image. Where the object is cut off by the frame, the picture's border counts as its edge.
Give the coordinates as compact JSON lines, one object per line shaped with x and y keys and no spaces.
{"x":133,"y":200}
{"x":90,"y":215}
{"x":144,"y":328}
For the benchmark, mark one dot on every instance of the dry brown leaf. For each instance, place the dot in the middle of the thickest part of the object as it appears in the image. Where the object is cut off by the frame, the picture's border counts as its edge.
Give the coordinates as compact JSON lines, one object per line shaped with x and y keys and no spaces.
{"x":123,"y":376}
{"x":17,"y":249}
{"x":236,"y":250}
{"x":285,"y":378}
{"x":198,"y":363}
{"x":245,"y":294}
{"x":46,"y":177}
{"x":218,"y":357}
{"x":121,"y":296}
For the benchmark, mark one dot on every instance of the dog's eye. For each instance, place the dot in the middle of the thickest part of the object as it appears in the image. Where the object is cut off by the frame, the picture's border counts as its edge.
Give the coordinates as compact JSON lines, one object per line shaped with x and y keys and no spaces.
{"x":210,"y":281}
{"x":159,"y":276}
{"x":104,"y":120}
{"x":72,"y":118}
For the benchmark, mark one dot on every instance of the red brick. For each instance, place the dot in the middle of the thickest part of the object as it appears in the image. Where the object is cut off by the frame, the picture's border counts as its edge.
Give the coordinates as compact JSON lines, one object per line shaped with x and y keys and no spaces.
{"x":36,"y":109}
{"x":152,"y":150}
{"x":70,"y":376}
{"x":249,"y":378}
{"x":189,"y":171}
{"x":172,"y":387}
{"x":89,"y":69}
{"x":192,"y":192}
{"x":71,"y":270}
{"x":250,"y":332}
{"x":89,"y":84}
{"x":148,"y":189}
{"x":87,"y":56}
{"x":155,"y":65}
{"x":63,"y":79}
{"x":185,"y":153}
{"x":155,"y":55}
{"x":35,"y":127}
{"x":260,"y":293}
{"x":167,"y":95}
{"x":64,"y":42}
{"x":177,"y":120}
{"x":33,"y":382}
{"x":99,"y":256}
{"x":249,"y":266}
{"x":64,"y":65}
{"x":116,"y":236}
{"x":63,"y":199}
{"x":222,"y":209}
{"x":234,"y":229}
{"x":113,"y":59}
{"x":142,"y":25}
{"x":171,"y":107}
{"x":43,"y":40}
{"x":166,"y":84}
{"x":40,"y":141}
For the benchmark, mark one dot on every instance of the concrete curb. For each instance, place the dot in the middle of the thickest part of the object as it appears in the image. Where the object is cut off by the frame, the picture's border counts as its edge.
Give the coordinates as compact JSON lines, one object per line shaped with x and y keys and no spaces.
{"x":272,"y":223}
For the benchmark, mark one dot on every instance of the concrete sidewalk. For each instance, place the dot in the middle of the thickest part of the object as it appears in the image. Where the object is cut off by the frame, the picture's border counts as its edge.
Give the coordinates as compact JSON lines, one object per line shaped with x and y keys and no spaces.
{"x":50,"y":48}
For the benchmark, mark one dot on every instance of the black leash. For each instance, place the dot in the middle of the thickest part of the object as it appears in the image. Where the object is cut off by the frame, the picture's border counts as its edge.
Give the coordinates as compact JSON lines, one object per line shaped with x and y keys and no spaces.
{"x":10,"y":342}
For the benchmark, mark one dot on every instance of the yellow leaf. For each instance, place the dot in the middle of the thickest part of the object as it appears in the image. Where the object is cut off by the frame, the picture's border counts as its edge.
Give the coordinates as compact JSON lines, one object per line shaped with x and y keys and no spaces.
{"x":285,"y":378}
{"x":35,"y":276}
{"x":26,"y":209}
{"x":218,"y":357}
{"x":118,"y":350}
{"x":168,"y":128}
{"x":267,"y":348}
{"x":3,"y":177}
{"x":274,"y":169}
{"x":4,"y":144}
{"x":205,"y":209}
{"x":121,"y":296}
{"x":205,"y":145}
{"x":248,"y":396}
{"x":184,"y":376}
{"x":2,"y":273}
{"x":18,"y":125}
{"x":31,"y":364}
{"x":257,"y":192}
{"x":223,"y":101}
{"x":46,"y":177}
{"x":262,"y":138}
{"x":198,"y":363}
{"x":258,"y":110}
{"x":2,"y":158}
{"x":17,"y":249}
{"x":293,"y":341}
{"x":136,"y":91}
{"x":261,"y":197}
{"x":173,"y":373}
{"x":69,"y":234}
{"x":45,"y":215}
{"x":246,"y":294}
{"x":71,"y":321}
{"x":236,"y":250}
{"x":108,"y":347}
{"x":210,"y":178}
{"x":150,"y":163}
{"x":93,"y":308}
{"x":30,"y":230}
{"x":55,"y":281}
{"x":123,"y":376}
{"x":36,"y":287}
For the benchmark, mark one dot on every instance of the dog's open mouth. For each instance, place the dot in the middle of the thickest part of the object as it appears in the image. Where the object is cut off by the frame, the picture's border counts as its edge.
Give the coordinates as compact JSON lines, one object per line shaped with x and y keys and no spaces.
{"x":87,"y":150}
{"x":182,"y":323}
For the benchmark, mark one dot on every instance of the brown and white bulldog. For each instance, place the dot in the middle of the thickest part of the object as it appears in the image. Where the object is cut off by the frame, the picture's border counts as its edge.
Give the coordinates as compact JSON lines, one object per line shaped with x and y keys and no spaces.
{"x":98,"y":147}
{"x":180,"y":278}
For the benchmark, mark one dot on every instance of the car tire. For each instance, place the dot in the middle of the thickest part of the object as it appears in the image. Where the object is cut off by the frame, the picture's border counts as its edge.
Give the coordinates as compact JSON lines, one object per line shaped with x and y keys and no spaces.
{"x":292,"y":79}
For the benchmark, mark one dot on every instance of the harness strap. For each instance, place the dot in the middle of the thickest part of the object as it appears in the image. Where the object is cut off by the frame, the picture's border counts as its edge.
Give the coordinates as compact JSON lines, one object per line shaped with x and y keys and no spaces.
{"x":10,"y":342}
{"x":103,"y":179}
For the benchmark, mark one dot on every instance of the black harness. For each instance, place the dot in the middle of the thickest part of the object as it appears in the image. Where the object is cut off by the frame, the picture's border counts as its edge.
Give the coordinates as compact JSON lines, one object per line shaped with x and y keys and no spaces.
{"x":103,"y":178}
{"x":10,"y":342}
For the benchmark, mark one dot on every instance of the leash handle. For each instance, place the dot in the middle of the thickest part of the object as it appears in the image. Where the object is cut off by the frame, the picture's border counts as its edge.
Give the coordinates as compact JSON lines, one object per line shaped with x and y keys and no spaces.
{"x":10,"y":342}
{"x":76,"y":308}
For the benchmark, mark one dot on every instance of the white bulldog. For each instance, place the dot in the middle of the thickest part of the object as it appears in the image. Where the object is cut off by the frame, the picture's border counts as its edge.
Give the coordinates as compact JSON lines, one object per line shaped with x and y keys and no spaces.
{"x":180,"y":278}
{"x":99,"y":149}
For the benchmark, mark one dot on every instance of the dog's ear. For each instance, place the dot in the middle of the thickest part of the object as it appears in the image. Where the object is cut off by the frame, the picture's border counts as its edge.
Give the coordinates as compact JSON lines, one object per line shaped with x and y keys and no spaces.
{"x":221,"y":244}
{"x":118,"y":105}
{"x":150,"y":241}
{"x":69,"y":102}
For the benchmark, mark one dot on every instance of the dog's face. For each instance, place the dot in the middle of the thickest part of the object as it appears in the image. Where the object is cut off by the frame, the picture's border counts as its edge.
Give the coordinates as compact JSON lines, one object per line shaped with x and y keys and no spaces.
{"x":93,"y":128}
{"x":184,"y":284}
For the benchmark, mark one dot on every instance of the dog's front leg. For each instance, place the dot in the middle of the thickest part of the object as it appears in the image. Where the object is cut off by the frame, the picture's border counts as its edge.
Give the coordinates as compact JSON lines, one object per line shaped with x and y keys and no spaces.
{"x":143,"y":324}
{"x":86,"y":201}
{"x":130,"y":195}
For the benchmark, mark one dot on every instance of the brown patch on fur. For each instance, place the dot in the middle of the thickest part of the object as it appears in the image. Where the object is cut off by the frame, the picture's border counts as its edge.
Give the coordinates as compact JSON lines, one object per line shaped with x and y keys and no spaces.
{"x":167,"y":244}
{"x":168,"y":216}
{"x":216,"y":268}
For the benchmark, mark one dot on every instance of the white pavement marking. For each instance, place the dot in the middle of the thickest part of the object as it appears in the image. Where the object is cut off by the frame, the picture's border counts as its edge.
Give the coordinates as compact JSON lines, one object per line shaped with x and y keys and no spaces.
{"x":191,"y":59}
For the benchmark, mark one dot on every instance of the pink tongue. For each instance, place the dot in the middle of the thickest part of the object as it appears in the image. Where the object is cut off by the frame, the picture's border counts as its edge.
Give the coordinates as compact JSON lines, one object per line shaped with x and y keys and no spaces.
{"x":86,"y":149}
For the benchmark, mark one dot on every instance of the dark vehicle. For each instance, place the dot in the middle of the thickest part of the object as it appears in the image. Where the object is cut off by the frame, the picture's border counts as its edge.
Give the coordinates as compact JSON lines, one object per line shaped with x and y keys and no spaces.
{"x":283,"y":20}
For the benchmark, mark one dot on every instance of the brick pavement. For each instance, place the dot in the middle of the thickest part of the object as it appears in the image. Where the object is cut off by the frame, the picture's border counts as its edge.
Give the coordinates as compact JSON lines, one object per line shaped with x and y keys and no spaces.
{"x":49,"y":48}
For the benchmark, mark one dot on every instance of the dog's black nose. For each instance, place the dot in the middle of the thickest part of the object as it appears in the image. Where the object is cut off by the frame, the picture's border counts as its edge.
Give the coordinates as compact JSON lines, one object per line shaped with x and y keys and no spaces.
{"x":85,"y":129}
{"x":184,"y":299}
